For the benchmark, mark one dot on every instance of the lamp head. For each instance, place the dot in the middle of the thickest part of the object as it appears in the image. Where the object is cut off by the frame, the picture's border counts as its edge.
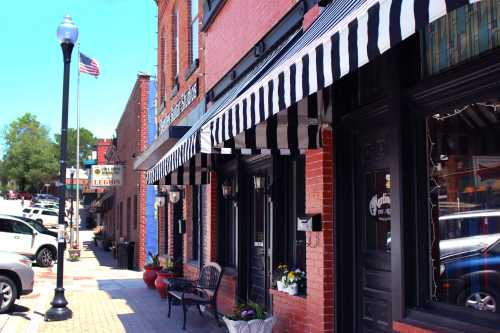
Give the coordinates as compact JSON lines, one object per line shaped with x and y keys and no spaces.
{"x":174,"y":195}
{"x":67,"y":32}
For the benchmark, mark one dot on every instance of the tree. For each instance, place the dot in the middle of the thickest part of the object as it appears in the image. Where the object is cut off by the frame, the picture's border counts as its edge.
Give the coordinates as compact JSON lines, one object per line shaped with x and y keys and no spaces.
{"x":29,"y":158}
{"x":87,"y":145}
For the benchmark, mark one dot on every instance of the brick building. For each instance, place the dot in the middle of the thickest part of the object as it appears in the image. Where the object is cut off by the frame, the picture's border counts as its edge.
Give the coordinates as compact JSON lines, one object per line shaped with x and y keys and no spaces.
{"x":129,"y":206}
{"x":357,"y":116}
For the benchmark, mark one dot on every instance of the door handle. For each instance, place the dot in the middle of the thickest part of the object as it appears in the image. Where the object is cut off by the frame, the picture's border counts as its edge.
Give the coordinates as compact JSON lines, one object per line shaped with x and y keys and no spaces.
{"x":16,"y":237}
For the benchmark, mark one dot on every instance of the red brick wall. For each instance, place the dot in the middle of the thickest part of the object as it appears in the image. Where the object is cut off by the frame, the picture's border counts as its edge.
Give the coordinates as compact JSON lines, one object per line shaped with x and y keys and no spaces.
{"x":102,"y":147}
{"x":131,"y":134}
{"x":319,"y":256}
{"x":290,"y":312}
{"x":226,"y":300}
{"x":237,"y":28}
{"x":166,"y":10}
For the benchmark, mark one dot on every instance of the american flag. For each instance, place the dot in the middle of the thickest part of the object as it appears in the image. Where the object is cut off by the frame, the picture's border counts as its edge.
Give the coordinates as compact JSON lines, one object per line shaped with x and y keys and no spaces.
{"x":89,"y":65}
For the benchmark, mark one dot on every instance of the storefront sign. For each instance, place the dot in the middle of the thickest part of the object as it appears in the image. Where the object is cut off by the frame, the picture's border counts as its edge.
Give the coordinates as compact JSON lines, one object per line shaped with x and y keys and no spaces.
{"x":182,"y":104}
{"x":106,"y":175}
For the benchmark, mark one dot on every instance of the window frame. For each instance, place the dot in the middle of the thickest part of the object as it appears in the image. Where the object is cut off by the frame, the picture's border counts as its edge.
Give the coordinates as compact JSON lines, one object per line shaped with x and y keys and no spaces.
{"x":465,"y":82}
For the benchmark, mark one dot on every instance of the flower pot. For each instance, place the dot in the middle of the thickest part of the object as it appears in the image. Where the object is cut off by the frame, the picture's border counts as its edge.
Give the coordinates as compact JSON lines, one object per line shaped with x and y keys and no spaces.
{"x":149,"y":275}
{"x":252,"y":326}
{"x":280,"y":286}
{"x":160,"y":282}
{"x":293,"y":289}
{"x":74,"y":254}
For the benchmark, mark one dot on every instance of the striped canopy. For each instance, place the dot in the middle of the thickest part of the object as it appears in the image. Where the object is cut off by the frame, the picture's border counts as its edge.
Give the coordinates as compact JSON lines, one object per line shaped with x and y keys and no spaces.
{"x":348,"y":34}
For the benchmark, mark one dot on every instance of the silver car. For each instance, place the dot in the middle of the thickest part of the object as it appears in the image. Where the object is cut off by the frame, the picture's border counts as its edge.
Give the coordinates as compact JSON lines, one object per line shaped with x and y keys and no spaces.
{"x":16,"y":278}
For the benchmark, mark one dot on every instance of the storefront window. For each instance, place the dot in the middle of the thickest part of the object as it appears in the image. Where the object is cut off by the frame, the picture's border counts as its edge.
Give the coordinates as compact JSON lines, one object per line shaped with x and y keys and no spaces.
{"x":464,"y":205}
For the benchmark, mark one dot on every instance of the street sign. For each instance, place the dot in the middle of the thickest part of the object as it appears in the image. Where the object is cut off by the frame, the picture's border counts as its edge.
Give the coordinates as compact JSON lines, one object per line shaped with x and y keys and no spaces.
{"x":106,"y":176}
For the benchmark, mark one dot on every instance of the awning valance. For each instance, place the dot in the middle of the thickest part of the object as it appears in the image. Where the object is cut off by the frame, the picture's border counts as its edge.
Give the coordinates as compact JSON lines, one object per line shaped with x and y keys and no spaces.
{"x":347,"y":35}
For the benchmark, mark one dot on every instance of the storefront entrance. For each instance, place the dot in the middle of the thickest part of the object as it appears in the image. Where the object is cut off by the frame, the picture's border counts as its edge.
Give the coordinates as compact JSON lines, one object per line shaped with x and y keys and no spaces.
{"x":373,"y":227}
{"x":257,"y":214}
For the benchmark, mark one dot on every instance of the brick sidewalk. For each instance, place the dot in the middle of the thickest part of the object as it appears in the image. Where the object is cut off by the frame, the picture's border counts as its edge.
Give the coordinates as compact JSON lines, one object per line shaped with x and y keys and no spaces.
{"x":103,"y":299}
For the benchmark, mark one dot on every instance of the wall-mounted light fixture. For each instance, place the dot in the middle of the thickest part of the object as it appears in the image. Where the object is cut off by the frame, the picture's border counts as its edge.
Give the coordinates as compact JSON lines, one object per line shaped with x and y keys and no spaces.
{"x":160,"y":201}
{"x":174,"y":194}
{"x":228,"y":191}
{"x":259,"y":182}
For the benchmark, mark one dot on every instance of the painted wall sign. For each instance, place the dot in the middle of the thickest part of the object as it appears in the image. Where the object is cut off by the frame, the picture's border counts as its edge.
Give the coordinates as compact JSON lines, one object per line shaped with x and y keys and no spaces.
{"x":106,"y":175}
{"x":182,"y":104}
{"x":380,"y":207}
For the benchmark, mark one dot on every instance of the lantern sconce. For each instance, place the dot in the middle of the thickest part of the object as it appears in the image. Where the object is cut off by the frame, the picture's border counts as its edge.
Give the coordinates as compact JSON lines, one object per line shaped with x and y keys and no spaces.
{"x":160,"y":201}
{"x":174,"y":194}
{"x":259,"y":182}
{"x":161,"y":194}
{"x":228,"y":192}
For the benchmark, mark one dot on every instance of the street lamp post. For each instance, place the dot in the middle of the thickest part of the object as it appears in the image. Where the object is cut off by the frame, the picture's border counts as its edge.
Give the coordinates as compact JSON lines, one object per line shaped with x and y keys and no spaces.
{"x":71,"y":209}
{"x":67,"y":33}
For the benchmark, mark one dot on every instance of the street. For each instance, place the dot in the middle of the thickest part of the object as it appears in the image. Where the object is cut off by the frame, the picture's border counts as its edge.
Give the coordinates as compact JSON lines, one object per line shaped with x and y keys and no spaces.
{"x":102,"y":298}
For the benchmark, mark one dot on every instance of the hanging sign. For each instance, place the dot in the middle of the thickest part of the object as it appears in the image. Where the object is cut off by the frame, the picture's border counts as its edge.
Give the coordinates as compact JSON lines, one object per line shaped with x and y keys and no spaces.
{"x":106,"y":175}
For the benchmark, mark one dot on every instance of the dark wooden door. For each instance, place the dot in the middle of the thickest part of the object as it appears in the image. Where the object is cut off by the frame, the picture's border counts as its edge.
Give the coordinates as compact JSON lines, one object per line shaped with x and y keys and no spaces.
{"x":177,"y":236}
{"x":258,"y":247}
{"x":374,"y":160}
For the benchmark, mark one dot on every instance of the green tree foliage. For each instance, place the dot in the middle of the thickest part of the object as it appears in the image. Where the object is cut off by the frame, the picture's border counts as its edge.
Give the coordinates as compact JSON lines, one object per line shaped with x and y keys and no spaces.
{"x":87,"y":145}
{"x":29,"y":158}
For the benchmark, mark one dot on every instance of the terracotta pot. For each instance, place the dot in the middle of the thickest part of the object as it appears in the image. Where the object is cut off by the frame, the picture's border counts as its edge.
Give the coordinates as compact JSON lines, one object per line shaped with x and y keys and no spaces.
{"x":149,"y":275}
{"x":160,"y":282}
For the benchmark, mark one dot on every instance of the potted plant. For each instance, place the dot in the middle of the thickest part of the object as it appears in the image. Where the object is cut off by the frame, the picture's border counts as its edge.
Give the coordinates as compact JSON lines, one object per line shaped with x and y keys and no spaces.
{"x":293,"y":281}
{"x":166,"y":272}
{"x":249,"y":318}
{"x":74,"y":252}
{"x":150,"y":270}
{"x":278,"y":277}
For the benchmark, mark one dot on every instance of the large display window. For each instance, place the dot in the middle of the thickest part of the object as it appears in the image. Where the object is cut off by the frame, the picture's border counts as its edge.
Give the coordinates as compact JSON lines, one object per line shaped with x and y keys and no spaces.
{"x":463,"y":146}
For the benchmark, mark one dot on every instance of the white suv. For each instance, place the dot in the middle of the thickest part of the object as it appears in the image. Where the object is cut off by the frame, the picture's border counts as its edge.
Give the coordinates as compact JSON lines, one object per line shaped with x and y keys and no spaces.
{"x":48,"y":217}
{"x":19,"y":237}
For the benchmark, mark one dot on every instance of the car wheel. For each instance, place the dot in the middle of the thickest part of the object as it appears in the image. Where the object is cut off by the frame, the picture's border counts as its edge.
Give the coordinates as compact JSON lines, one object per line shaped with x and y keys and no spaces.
{"x":483,"y":299}
{"x":44,"y":257}
{"x":9,"y":291}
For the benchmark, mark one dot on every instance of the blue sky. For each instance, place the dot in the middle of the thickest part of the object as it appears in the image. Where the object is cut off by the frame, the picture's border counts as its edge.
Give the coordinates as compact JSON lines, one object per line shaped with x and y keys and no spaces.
{"x":120,"y":34}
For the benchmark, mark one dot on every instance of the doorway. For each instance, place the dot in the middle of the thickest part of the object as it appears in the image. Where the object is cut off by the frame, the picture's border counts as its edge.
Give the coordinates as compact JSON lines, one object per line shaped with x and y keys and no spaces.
{"x":373,"y":158}
{"x":257,"y":214}
{"x":177,"y":236}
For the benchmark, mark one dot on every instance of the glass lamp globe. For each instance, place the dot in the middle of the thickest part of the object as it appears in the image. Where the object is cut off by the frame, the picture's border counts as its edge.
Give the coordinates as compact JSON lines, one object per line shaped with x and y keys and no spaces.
{"x":174,"y":194}
{"x":67,"y":32}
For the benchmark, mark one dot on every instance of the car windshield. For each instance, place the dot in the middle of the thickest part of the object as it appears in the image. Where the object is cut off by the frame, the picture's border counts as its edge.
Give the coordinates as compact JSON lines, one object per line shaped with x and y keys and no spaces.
{"x":37,"y":226}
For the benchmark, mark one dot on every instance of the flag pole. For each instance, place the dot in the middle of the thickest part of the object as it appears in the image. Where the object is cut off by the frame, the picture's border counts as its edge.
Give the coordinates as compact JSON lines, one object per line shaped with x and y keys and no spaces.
{"x":77,"y":215}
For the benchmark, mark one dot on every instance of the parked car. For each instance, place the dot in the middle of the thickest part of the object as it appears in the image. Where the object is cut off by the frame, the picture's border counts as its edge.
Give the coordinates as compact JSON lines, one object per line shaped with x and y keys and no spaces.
{"x":48,"y":217}
{"x":16,"y":278}
{"x":12,"y":195}
{"x":46,"y":205}
{"x":36,"y":225}
{"x":472,"y":278}
{"x":20,"y":237}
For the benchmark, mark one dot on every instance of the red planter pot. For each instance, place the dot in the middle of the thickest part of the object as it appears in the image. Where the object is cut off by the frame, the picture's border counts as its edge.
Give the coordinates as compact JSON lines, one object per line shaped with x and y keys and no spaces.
{"x":149,"y":276}
{"x":160,"y":282}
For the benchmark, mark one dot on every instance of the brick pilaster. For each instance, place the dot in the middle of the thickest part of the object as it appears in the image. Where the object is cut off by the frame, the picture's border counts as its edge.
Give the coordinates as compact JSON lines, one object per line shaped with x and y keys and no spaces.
{"x":319,"y":200}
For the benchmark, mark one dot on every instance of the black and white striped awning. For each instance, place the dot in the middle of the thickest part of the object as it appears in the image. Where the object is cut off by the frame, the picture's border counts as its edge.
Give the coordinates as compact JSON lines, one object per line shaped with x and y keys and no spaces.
{"x":347,"y":35}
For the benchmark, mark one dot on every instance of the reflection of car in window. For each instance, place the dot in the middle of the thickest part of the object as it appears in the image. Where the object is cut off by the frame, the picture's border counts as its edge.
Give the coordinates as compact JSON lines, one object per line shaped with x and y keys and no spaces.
{"x":467,"y":231}
{"x":472,"y":278}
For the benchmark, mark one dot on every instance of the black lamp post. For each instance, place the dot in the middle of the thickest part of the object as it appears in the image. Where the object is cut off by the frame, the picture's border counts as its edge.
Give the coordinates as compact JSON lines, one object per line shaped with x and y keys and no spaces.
{"x":67,"y":33}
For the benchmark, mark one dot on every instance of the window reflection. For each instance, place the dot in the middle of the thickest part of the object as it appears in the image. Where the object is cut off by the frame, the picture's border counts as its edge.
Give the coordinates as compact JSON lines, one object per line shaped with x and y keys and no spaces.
{"x":464,"y":197}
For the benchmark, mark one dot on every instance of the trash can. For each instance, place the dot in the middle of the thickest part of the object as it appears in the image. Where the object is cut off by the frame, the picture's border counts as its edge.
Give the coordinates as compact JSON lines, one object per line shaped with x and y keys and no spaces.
{"x":131,"y":254}
{"x":125,"y":255}
{"x":122,"y":255}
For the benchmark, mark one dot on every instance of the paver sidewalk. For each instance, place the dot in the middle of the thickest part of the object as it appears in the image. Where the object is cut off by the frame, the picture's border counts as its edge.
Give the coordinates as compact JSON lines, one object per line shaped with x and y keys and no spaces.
{"x":103,"y":299}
